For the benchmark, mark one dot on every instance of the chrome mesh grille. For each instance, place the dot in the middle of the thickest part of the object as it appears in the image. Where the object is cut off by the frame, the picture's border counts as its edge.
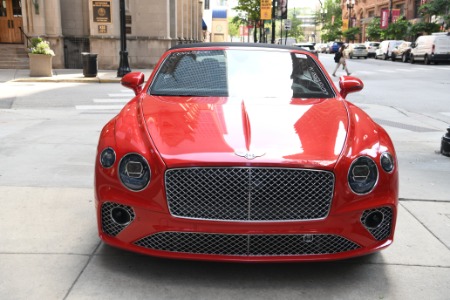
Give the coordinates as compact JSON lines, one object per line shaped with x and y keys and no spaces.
{"x":108,"y":225}
{"x":382,"y":231}
{"x":249,"y":194}
{"x":247,"y":245}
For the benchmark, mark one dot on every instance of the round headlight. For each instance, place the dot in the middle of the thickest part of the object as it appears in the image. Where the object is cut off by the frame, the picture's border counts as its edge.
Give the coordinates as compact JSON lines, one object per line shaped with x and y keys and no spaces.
{"x":107,"y":158}
{"x":134,"y":172}
{"x":363,"y":175}
{"x":387,"y":162}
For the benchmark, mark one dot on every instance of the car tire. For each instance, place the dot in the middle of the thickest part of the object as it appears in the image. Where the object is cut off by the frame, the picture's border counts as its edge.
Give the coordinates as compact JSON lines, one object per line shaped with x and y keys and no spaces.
{"x":365,"y":57}
{"x":426,"y":60}
{"x":393,"y":57}
{"x":411,"y":59}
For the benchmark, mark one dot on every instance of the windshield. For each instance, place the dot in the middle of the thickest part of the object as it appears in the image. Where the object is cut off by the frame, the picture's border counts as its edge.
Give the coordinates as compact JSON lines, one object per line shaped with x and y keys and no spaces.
{"x":241,"y":72}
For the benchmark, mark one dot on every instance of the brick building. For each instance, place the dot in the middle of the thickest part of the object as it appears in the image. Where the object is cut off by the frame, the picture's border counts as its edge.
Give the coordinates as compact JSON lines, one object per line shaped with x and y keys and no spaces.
{"x":364,"y":11}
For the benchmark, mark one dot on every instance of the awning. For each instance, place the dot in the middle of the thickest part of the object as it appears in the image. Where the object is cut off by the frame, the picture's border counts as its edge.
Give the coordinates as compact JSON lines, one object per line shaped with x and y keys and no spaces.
{"x":204,"y":27}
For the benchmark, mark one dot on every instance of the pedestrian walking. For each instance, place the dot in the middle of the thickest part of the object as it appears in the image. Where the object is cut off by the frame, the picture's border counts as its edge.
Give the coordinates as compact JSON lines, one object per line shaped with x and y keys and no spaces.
{"x":339,"y":58}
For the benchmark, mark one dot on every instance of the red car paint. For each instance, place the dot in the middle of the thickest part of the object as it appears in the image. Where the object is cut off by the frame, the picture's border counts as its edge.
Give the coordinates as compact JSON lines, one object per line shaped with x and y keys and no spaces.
{"x":176,"y":132}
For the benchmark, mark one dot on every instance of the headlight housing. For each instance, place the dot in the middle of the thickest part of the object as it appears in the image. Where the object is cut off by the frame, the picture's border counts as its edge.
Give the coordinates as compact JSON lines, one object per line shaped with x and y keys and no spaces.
{"x":387,"y":162}
{"x":134,"y":172}
{"x":362,"y":175}
{"x":107,"y":158}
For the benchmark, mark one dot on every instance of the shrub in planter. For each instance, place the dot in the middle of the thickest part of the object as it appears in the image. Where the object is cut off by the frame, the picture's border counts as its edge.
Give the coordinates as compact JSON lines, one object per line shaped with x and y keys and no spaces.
{"x":40,"y":58}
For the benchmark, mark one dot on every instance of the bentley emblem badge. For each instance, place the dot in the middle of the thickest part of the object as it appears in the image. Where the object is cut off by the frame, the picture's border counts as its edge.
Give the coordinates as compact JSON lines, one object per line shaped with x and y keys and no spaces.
{"x":249,"y":155}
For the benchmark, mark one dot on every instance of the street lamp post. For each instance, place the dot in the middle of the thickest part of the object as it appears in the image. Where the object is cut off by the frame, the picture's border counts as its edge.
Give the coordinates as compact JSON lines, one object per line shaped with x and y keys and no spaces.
{"x":350,"y":5}
{"x":124,"y":67}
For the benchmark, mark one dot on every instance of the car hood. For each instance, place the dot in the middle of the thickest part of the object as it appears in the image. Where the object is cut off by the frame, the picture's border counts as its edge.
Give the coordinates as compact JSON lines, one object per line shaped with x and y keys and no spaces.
{"x":227,"y":131}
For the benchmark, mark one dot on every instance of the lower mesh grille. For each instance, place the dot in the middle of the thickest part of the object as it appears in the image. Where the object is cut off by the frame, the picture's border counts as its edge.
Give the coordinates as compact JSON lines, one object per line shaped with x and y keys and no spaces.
{"x":247,"y":245}
{"x":382,"y":231}
{"x":109,"y":226}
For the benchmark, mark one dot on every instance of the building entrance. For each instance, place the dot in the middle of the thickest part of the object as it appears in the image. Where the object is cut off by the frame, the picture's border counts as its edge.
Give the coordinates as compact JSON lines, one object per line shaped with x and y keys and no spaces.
{"x":10,"y":21}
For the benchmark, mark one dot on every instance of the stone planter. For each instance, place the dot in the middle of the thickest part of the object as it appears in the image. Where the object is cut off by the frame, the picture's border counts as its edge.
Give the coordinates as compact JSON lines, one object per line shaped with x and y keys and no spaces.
{"x":40,"y":65}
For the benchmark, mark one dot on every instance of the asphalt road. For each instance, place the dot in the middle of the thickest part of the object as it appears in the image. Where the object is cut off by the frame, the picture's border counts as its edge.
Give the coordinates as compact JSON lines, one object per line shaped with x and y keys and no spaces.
{"x":49,"y":247}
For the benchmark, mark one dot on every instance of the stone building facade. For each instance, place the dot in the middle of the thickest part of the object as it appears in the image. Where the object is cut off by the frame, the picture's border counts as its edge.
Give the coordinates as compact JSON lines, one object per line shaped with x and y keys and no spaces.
{"x":365,"y":10}
{"x":75,"y":26}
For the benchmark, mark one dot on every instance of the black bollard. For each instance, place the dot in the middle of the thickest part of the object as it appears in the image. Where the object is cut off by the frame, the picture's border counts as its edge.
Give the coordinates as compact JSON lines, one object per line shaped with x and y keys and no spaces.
{"x":445,"y":144}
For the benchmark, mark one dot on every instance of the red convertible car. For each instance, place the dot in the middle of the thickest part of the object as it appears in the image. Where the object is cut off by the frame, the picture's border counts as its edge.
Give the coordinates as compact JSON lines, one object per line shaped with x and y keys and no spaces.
{"x":244,"y":152}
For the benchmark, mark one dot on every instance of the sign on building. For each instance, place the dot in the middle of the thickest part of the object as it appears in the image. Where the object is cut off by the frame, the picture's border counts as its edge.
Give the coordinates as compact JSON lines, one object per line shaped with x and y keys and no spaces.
{"x":102,"y":11}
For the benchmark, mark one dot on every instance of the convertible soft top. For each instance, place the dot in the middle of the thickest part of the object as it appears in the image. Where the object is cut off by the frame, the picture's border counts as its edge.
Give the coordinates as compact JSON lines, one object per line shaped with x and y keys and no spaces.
{"x":229,"y":44}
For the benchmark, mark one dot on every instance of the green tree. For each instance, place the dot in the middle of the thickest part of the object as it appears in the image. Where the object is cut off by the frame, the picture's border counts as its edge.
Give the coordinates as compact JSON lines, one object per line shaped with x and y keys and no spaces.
{"x":424,"y":28}
{"x":296,"y":26}
{"x":438,"y":8}
{"x":331,"y":20}
{"x":351,"y":33}
{"x":249,"y":10}
{"x":373,"y":30}
{"x":397,"y":30}
{"x":233,"y":28}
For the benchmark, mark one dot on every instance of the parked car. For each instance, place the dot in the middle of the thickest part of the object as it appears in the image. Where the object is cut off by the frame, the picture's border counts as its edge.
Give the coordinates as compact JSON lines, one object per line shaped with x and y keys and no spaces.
{"x":286,"y":41}
{"x":204,"y":164}
{"x":308,"y":46}
{"x":402,"y":52}
{"x":334,"y":47}
{"x":357,"y":50}
{"x":371,"y":48}
{"x":321,"y":47}
{"x":328,"y":47}
{"x":384,"y":51}
{"x":431,"y":48}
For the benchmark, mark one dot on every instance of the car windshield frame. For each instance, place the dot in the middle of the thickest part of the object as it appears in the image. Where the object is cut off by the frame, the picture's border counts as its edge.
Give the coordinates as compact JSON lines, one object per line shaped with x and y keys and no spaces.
{"x":241,"y":72}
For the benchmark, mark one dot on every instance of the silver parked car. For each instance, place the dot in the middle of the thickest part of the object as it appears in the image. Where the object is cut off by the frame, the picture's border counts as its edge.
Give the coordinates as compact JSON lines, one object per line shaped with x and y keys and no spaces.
{"x":357,"y":50}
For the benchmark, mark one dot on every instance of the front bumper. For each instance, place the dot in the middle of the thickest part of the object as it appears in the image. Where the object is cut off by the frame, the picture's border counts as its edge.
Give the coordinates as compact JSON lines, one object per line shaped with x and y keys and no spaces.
{"x":338,"y":236}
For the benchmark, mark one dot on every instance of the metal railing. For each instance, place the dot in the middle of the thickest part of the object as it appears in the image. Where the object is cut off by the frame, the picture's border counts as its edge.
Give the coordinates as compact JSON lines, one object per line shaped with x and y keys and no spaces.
{"x":28,"y":39}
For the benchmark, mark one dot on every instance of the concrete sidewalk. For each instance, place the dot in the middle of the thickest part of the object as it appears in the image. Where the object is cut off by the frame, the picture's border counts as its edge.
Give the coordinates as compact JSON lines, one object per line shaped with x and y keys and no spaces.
{"x":65,"y":75}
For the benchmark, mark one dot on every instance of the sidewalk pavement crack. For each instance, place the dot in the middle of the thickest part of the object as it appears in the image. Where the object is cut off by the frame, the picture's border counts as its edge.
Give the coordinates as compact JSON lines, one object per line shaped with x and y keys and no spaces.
{"x":425,"y":227}
{"x":423,"y":200}
{"x":82,"y":271}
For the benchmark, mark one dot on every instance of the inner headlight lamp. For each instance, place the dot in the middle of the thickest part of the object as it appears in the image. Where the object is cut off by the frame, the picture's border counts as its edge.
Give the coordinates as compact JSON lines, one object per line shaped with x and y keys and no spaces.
{"x":362,"y":175}
{"x":134,"y":172}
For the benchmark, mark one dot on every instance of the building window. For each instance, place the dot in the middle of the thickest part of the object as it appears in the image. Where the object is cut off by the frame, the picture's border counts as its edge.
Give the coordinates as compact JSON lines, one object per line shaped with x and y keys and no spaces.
{"x":401,"y":7}
{"x":417,"y":4}
{"x":206,"y":4}
{"x":371,"y":14}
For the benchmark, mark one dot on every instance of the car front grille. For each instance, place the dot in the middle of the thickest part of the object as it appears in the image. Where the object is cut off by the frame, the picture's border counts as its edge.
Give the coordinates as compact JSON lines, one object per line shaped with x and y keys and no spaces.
{"x":247,"y":245}
{"x":249,"y":194}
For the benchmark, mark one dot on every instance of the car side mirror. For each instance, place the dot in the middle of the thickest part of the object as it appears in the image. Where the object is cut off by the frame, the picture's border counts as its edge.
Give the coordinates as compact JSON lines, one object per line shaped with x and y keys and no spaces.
{"x":413,"y":45}
{"x":350,"y":84}
{"x":134,"y":81}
